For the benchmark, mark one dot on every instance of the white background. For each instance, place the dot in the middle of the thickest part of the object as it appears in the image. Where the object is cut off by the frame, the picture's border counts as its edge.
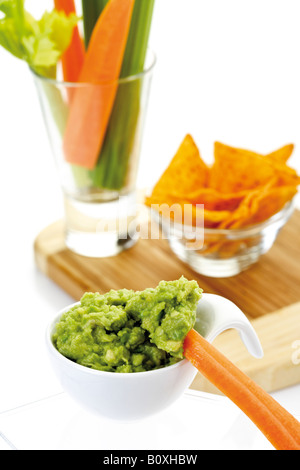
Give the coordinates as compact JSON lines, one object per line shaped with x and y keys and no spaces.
{"x":227,"y":70}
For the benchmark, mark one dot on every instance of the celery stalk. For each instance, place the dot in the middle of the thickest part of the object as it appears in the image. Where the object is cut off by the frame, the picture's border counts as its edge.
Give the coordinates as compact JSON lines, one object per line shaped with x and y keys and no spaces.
{"x":111,"y":170}
{"x":91,"y":10}
{"x":137,"y":44}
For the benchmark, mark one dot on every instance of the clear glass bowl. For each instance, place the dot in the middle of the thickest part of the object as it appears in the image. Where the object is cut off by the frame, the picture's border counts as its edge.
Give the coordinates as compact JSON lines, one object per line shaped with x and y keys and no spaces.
{"x":222,"y":253}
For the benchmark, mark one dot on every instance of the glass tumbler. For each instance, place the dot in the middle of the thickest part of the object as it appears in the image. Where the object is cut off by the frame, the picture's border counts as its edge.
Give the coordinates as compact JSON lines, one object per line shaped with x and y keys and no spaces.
{"x":97,"y":157}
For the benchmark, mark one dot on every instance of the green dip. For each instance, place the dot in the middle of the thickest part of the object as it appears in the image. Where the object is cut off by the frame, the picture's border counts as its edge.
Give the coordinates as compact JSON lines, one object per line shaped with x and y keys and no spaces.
{"x":128,"y":331}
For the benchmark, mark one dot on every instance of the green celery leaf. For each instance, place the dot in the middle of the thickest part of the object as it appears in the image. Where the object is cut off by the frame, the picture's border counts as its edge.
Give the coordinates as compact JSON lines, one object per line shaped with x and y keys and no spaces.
{"x":41,"y":52}
{"x":9,"y":38}
{"x":8,"y":7}
{"x":59,"y":27}
{"x":41,"y":42}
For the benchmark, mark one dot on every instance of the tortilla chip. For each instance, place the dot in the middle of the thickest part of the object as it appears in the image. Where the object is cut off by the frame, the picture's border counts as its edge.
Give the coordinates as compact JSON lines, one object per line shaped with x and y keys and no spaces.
{"x":240,"y":189}
{"x":210,"y":198}
{"x":236,"y":170}
{"x":285,"y":175}
{"x":243,"y":213}
{"x":270,"y":202}
{"x":186,"y":173}
{"x":259,"y":206}
{"x":185,"y":212}
{"x":283,"y":154}
{"x":215,"y":201}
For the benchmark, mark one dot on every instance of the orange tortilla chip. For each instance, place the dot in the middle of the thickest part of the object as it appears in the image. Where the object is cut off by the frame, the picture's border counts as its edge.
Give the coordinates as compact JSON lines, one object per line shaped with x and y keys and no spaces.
{"x":210,"y":198}
{"x":184,"y":211}
{"x":283,"y":154}
{"x":240,"y":189}
{"x":215,"y":201}
{"x":270,"y":202}
{"x":243,"y":213}
{"x":212,"y":219}
{"x":285,"y":175}
{"x":237,"y":170}
{"x":259,"y":206}
{"x":186,"y":173}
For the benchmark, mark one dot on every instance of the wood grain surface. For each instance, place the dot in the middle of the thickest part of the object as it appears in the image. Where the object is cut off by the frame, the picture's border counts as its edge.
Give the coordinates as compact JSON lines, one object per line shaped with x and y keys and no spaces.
{"x":263,"y":292}
{"x":271,"y":284}
{"x":279,"y":333}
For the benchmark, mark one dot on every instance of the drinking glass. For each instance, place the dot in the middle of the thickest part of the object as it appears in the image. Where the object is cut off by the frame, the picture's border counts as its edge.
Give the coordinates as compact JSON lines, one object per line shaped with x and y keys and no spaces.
{"x":100,"y":201}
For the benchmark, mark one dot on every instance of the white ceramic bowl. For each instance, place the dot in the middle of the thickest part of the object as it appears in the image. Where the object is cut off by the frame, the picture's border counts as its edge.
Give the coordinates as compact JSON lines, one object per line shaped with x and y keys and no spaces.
{"x":137,"y":395}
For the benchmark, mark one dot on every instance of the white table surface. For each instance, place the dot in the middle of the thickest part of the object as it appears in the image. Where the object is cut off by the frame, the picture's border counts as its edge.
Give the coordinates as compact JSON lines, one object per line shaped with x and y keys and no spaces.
{"x":226,"y":71}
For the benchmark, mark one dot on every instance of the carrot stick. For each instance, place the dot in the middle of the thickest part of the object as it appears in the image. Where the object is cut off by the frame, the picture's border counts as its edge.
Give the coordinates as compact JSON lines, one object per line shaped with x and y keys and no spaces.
{"x":91,"y":11}
{"x":92,"y":105}
{"x":72,"y":59}
{"x":279,"y":426}
{"x":114,"y":162}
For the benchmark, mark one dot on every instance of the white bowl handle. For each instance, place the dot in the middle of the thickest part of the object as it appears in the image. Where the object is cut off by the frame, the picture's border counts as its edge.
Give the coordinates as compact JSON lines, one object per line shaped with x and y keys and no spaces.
{"x":216,"y":314}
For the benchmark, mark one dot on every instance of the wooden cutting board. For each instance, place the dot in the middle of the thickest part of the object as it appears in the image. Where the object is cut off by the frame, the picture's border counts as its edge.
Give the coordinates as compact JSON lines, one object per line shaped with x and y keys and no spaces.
{"x":268,"y":293}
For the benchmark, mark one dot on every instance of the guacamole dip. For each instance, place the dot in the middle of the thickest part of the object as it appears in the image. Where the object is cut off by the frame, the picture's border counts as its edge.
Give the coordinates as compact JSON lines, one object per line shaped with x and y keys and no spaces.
{"x":128,"y":331}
